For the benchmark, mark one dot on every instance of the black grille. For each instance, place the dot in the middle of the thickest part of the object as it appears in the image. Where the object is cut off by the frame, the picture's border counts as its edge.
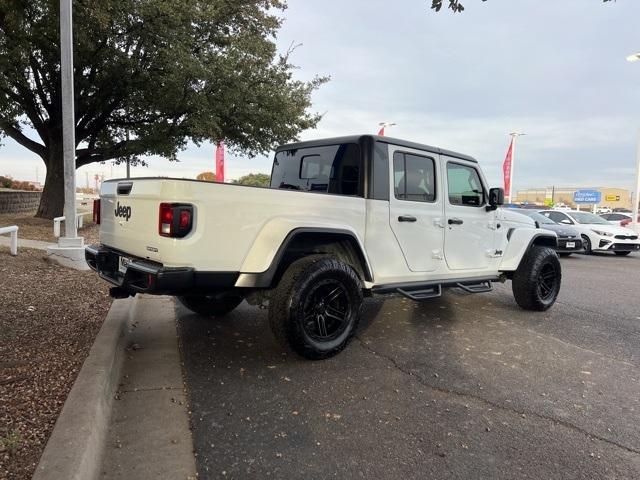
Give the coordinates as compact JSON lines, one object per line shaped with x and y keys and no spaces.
{"x":626,"y":237}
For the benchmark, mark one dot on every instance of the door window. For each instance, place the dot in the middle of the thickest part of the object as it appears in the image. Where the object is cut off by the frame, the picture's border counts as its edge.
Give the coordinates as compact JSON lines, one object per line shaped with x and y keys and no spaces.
{"x":414,"y":177}
{"x":465,"y":187}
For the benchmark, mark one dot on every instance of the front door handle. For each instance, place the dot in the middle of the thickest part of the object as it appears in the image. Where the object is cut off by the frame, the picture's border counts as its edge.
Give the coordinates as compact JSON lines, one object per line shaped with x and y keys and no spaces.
{"x":407,"y":218}
{"x":455,"y":221}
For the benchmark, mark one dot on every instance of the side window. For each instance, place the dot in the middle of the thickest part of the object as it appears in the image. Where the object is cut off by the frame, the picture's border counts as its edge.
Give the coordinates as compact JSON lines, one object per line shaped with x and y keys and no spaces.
{"x":614,"y":216}
{"x":558,"y":217}
{"x":465,"y":187}
{"x":414,"y":177}
{"x":328,"y":169}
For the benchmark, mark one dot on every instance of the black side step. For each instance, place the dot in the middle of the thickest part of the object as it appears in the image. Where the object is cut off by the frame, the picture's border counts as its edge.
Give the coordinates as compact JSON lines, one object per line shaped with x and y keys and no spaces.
{"x":480,"y":287}
{"x":422,"y":293}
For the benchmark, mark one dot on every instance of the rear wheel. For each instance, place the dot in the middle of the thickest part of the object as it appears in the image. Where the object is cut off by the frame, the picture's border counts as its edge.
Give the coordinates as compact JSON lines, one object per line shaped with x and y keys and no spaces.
{"x":622,"y":254}
{"x":586,"y":245}
{"x":315,"y":308}
{"x":536,"y":282}
{"x":216,"y":305}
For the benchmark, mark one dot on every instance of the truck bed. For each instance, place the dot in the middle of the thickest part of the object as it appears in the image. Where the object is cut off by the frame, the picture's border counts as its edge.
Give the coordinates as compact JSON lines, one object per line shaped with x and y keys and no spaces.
{"x":227,"y":220}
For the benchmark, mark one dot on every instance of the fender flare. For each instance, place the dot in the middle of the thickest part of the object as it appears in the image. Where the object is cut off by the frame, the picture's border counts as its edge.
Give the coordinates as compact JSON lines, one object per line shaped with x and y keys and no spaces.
{"x":520,"y":241}
{"x":264,"y":278}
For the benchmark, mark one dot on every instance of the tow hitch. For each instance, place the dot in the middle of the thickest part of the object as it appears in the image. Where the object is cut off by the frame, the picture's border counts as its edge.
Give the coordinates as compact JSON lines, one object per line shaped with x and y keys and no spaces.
{"x":119,"y":292}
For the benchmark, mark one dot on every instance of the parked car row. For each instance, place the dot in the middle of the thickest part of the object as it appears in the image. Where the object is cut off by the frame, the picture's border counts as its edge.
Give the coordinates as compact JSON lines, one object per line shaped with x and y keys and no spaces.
{"x":585,"y":232}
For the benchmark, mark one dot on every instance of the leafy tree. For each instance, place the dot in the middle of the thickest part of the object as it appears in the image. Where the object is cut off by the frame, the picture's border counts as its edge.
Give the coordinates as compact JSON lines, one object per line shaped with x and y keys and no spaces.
{"x":149,"y":76}
{"x":456,"y":5}
{"x":254,"y":180}
{"x":5,"y":182}
{"x":207,"y":176}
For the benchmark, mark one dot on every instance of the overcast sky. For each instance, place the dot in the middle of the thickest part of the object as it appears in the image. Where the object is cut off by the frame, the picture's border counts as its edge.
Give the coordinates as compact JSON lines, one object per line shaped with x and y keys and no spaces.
{"x":554,"y":70}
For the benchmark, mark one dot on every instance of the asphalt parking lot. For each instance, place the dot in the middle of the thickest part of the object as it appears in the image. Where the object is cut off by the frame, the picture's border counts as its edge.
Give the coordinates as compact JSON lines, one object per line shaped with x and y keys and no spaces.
{"x":465,"y":386}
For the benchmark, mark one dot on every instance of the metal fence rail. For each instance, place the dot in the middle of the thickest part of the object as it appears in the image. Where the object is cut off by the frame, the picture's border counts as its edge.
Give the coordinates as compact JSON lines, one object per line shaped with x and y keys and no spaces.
{"x":13,"y":230}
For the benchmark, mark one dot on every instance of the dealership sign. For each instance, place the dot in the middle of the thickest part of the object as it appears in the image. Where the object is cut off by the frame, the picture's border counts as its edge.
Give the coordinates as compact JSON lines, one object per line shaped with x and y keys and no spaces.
{"x":587,"y":196}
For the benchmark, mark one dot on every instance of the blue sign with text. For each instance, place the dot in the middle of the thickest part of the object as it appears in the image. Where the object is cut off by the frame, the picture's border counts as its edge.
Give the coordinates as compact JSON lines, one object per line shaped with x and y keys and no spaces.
{"x":587,"y":196}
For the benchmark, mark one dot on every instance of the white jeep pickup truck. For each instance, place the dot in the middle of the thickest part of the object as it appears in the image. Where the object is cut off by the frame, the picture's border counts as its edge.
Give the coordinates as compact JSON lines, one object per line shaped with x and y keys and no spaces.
{"x":344,"y":218}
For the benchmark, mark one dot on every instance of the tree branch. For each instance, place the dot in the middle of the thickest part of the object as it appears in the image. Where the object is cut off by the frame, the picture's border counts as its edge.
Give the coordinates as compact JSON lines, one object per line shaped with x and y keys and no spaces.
{"x":15,"y":133}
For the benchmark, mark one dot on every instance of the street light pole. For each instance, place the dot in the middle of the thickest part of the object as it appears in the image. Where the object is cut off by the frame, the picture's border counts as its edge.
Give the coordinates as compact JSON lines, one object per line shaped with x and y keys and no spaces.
{"x":68,"y":122}
{"x":636,"y":197}
{"x":384,"y":125}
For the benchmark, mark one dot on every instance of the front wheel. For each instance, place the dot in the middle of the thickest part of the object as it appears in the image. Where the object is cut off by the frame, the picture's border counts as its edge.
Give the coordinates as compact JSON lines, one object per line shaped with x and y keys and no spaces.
{"x":586,"y":245}
{"x":622,"y":254}
{"x":315,"y":308}
{"x":216,"y":305}
{"x":536,"y":282}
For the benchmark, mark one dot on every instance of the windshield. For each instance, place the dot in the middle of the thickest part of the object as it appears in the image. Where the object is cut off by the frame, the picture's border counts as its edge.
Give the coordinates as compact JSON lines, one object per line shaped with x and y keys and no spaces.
{"x":541,"y":219}
{"x":588,"y":218}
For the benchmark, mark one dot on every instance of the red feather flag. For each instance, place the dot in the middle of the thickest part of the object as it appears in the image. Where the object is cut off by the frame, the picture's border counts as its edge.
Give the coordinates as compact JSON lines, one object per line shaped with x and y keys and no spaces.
{"x":220,"y":162}
{"x":506,"y":170}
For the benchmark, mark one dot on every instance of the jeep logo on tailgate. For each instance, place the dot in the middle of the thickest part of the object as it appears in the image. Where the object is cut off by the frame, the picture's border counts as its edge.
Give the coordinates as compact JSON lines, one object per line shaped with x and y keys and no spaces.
{"x":123,"y":211}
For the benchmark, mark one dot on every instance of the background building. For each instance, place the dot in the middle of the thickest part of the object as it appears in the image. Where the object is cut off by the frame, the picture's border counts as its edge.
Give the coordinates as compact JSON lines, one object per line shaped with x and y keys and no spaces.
{"x":611,"y":197}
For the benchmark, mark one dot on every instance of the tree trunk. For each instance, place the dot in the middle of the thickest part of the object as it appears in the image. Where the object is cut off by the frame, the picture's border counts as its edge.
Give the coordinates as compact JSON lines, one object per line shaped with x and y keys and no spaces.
{"x":52,"y":199}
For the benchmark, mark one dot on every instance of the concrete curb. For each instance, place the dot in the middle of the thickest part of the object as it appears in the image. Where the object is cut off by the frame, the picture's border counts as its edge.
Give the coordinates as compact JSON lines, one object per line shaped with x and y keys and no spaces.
{"x":77,"y":444}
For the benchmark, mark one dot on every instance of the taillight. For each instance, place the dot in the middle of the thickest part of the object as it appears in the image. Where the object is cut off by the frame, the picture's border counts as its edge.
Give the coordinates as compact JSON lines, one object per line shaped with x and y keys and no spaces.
{"x":175,"y":219}
{"x":96,"y":211}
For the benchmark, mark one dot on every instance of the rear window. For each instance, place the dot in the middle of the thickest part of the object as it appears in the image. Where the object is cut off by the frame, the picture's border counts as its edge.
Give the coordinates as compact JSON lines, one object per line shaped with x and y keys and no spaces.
{"x":328,"y":169}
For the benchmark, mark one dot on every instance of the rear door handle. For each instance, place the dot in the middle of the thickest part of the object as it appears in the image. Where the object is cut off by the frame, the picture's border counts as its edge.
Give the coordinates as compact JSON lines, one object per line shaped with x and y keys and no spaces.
{"x":407,"y":218}
{"x":455,"y":221}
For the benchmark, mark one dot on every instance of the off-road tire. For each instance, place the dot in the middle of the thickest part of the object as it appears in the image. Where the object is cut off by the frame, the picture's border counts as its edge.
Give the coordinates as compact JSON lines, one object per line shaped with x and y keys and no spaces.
{"x":586,"y":245}
{"x":300,"y":291}
{"x":622,"y":254}
{"x":537,"y":280}
{"x":217,"y":305}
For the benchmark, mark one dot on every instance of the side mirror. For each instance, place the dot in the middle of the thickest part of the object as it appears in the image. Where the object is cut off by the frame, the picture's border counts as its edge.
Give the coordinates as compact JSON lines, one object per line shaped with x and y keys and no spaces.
{"x":496,"y":198}
{"x":566,"y":222}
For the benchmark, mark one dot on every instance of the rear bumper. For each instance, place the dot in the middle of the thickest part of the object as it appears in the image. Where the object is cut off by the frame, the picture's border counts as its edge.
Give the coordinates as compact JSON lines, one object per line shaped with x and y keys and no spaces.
{"x":145,"y":276}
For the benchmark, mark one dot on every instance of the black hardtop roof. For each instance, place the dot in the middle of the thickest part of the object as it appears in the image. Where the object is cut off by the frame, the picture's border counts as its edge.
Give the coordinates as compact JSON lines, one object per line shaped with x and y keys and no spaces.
{"x":357,"y":138}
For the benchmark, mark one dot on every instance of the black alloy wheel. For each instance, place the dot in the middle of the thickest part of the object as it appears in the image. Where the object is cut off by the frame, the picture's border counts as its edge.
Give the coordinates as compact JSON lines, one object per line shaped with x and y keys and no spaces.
{"x":547,"y":279}
{"x":326,"y":310}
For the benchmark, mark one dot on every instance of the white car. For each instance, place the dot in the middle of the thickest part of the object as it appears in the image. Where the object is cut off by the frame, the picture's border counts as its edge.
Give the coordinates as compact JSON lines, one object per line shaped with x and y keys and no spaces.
{"x":601,"y":210}
{"x":598,"y":235}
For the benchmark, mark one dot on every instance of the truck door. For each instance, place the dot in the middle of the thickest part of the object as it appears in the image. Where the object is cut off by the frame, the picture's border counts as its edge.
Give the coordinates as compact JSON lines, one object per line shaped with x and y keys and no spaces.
{"x":416,"y":208}
{"x":470,"y":228}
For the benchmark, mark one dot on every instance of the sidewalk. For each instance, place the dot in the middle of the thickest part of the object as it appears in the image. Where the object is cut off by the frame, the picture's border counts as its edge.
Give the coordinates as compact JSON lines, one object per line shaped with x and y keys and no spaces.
{"x":149,"y":436}
{"x":5,"y":241}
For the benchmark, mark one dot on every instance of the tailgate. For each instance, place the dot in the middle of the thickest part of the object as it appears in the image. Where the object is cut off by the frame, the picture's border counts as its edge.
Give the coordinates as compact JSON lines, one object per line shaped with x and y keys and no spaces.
{"x":129,"y":212}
